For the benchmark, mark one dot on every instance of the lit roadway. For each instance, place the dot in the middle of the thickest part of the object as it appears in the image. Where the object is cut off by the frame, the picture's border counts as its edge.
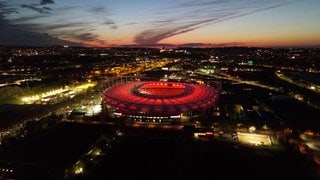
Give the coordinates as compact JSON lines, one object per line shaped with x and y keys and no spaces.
{"x":134,"y":68}
{"x":282,"y":76}
{"x":240,"y":81}
{"x":18,"y":82}
{"x":278,"y":74}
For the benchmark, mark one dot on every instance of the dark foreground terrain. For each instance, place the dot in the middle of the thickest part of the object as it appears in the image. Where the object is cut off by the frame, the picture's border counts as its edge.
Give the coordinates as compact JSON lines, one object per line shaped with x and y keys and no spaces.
{"x":151,"y":154}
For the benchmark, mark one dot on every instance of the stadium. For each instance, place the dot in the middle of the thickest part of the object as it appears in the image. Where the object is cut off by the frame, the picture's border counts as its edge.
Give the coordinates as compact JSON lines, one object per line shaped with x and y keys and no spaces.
{"x":149,"y":101}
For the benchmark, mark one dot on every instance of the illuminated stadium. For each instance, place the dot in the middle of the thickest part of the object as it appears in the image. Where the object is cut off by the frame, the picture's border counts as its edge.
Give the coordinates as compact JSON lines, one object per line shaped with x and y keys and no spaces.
{"x":156,"y":101}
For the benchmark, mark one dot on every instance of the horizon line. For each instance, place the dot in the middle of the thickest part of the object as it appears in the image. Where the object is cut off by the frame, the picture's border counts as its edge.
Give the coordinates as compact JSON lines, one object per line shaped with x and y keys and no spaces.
{"x":165,"y":46}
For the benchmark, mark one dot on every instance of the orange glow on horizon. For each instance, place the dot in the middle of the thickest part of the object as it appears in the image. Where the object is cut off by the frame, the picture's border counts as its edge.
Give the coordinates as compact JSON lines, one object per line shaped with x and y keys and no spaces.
{"x":293,"y":39}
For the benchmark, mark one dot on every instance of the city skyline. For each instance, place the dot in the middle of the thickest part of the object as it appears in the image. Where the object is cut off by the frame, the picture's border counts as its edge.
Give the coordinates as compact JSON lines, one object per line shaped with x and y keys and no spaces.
{"x":205,"y":23}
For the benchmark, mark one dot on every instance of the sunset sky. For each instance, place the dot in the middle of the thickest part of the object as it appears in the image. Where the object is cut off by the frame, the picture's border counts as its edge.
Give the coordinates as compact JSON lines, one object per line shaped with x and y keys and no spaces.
{"x":106,"y":23}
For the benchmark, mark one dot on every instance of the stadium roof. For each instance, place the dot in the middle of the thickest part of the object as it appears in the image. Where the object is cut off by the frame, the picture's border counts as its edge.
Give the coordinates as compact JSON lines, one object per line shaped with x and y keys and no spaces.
{"x":159,"y":98}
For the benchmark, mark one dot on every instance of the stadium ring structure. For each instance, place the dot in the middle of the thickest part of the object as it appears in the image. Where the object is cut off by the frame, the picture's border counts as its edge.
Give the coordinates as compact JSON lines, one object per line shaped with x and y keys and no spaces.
{"x":148,"y":100}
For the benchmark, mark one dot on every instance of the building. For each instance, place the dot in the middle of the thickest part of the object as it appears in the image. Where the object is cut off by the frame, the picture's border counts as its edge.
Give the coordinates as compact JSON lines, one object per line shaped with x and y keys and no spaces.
{"x":151,"y":101}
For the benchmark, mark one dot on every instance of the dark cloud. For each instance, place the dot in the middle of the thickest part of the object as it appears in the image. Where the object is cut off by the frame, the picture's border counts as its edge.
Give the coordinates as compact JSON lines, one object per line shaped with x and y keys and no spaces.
{"x":23,"y":31}
{"x":200,"y":3}
{"x":4,"y":10}
{"x":98,"y":9}
{"x":212,"y":45}
{"x":88,"y":37}
{"x":101,"y":13}
{"x":189,"y":45}
{"x":77,"y":34}
{"x":153,"y":36}
{"x":35,"y":7}
{"x":191,"y":15}
{"x":101,"y":42}
{"x":62,"y":25}
{"x":111,"y":23}
{"x":27,"y":19}
{"x":47,"y":8}
{"x":44,"y":2}
{"x":27,"y":27}
{"x":113,"y":27}
{"x":39,"y":7}
{"x":19,"y":33}
{"x":132,"y":23}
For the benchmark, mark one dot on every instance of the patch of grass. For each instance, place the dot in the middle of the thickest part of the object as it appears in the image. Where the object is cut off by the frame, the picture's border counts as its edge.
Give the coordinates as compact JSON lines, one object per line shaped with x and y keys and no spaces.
{"x":10,"y":101}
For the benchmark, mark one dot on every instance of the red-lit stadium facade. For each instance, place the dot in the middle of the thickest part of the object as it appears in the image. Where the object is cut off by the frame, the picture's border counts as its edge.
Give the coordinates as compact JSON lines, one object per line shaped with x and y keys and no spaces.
{"x":156,"y":101}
